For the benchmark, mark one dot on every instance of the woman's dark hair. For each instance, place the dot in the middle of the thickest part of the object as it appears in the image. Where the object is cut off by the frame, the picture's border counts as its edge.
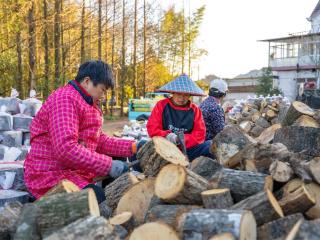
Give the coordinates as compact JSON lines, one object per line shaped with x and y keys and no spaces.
{"x":214,"y":92}
{"x":98,"y":71}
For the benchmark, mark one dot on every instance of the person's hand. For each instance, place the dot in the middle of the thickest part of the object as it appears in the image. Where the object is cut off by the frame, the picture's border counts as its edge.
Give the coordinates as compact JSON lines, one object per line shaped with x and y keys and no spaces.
{"x":118,"y":168}
{"x":172,"y":137}
{"x":137,"y":145}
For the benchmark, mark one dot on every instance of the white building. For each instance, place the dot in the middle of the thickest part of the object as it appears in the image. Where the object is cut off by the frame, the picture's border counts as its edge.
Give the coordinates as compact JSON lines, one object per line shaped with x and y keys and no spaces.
{"x":296,"y":58}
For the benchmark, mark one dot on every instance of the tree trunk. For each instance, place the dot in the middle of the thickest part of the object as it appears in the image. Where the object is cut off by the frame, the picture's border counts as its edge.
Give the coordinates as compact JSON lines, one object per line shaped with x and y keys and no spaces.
{"x":295,"y":111}
{"x":279,"y":228}
{"x":304,"y":230}
{"x":9,"y":215}
{"x":157,"y":153}
{"x":32,"y":46}
{"x":217,"y":198}
{"x":83,"y":29}
{"x":19,"y":78}
{"x":135,"y":76}
{"x":205,"y":167}
{"x":99,"y":29}
{"x":112,"y":56}
{"x":154,"y":230}
{"x":176,"y":184}
{"x":115,"y":190}
{"x":263,"y":205}
{"x":64,"y":186}
{"x":90,"y":227}
{"x":61,"y":209}
{"x":299,"y":139}
{"x":56,"y":43}
{"x":123,"y":58}
{"x":46,"y":50}
{"x":144,"y":46}
{"x":206,"y":223}
{"x":242,"y":184}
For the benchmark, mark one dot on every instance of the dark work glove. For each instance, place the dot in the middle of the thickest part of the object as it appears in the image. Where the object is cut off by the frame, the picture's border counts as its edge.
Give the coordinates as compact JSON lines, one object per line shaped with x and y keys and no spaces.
{"x":118,"y":168}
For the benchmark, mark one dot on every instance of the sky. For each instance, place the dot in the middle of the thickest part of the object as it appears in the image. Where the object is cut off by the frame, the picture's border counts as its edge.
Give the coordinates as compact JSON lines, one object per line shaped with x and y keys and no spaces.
{"x":231,"y":29}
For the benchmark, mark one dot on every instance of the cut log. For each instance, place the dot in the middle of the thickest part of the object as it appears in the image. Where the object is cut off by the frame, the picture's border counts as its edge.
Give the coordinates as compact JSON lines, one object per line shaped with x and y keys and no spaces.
{"x":283,"y":108}
{"x":275,"y":121}
{"x":268,"y":134}
{"x":295,"y":110}
{"x":223,"y":236}
{"x":255,"y":116}
{"x":18,"y":183}
{"x":157,"y":153}
{"x":299,"y":139}
{"x":228,"y":142}
{"x":242,"y":184}
{"x":58,"y":210}
{"x":279,"y":228}
{"x":124,"y":219}
{"x":154,"y":230}
{"x":7,"y":196}
{"x":314,"y":168}
{"x":205,"y":167}
{"x":168,"y":213}
{"x":217,"y":198}
{"x":263,"y":205}
{"x":9,"y":215}
{"x":303,"y":230}
{"x":256,"y":131}
{"x":115,"y":190}
{"x":262,"y":122}
{"x":299,"y":200}
{"x":64,"y":186}
{"x":281,"y":171}
{"x":270,"y":114}
{"x":137,"y":199}
{"x":27,"y":228}
{"x":245,"y":126}
{"x":306,"y":121}
{"x":176,"y":184}
{"x":206,"y":223}
{"x":91,"y":227}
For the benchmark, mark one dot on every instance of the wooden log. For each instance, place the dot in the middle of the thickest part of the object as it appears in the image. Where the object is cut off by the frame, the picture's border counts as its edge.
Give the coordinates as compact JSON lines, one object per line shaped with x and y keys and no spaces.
{"x":7,"y":196}
{"x":255,"y":116}
{"x":268,"y":134}
{"x":299,"y":200}
{"x":90,"y":227}
{"x":168,"y":213}
{"x":217,"y":198}
{"x":281,"y":171}
{"x":263,"y":206}
{"x":58,"y":210}
{"x":205,"y":167}
{"x":242,"y":184}
{"x":206,"y":223}
{"x":295,"y":110}
{"x":303,"y":230}
{"x":246,"y":126}
{"x":64,"y":186}
{"x":137,"y":199}
{"x":279,"y":228}
{"x":270,"y":114}
{"x":124,"y":219}
{"x":274,"y":121}
{"x":299,"y":139}
{"x":157,"y":153}
{"x":306,"y":121}
{"x":314,"y":168}
{"x":256,"y":131}
{"x":9,"y":215}
{"x":283,"y":108}
{"x":115,"y":190}
{"x":176,"y":184}
{"x":228,"y":142}
{"x":262,"y":122}
{"x":18,"y":183}
{"x":154,"y":230}
{"x":27,"y":228}
{"x":223,"y":236}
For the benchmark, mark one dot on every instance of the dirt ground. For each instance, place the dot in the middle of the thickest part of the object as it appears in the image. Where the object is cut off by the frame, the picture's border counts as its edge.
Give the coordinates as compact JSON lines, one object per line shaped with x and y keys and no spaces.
{"x":111,"y":126}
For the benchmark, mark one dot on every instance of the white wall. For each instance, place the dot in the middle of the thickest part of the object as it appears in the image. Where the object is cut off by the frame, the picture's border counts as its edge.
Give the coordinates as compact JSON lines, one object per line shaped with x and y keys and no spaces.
{"x":238,"y":96}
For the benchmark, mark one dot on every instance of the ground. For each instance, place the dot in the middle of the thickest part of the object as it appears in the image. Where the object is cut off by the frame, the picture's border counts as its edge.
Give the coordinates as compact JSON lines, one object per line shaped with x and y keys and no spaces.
{"x":111,"y":126}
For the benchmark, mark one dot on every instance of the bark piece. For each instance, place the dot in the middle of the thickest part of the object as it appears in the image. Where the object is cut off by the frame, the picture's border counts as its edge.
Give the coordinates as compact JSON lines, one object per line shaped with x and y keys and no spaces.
{"x":217,"y":198}
{"x":157,"y":153}
{"x":295,"y":110}
{"x":263,"y":205}
{"x":9,"y":215}
{"x":176,"y":184}
{"x":205,"y":167}
{"x":154,"y":230}
{"x":304,"y":230}
{"x":281,"y":171}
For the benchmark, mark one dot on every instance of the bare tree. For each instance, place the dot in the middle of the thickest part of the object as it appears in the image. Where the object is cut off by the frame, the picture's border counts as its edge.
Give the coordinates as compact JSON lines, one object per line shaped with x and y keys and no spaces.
{"x":46,"y":49}
{"x":56,"y":43}
{"x":32,"y":46}
{"x":82,"y":50}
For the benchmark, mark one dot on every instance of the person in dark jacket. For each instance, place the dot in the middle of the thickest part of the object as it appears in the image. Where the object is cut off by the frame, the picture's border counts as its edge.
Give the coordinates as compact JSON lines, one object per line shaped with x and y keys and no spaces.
{"x":212,"y":111}
{"x":179,"y":114}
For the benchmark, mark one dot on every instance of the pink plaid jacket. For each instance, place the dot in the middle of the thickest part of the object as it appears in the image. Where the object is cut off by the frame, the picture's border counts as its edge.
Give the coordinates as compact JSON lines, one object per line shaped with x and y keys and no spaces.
{"x":67,"y":143}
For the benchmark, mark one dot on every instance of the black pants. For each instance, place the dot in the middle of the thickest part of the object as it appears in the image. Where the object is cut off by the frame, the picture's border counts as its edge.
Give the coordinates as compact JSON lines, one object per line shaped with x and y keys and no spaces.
{"x":98,"y":191}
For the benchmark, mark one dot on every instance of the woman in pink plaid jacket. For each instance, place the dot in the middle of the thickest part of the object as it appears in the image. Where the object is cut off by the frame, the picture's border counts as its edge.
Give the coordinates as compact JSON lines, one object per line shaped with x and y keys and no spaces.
{"x":66,"y":135}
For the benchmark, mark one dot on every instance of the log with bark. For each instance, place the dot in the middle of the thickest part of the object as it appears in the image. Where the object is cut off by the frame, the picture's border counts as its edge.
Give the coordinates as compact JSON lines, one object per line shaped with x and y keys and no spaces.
{"x":295,"y":110}
{"x":176,"y":184}
{"x":256,"y":131}
{"x":206,"y":223}
{"x":268,"y":134}
{"x":58,"y":210}
{"x":279,"y":228}
{"x":306,"y":121}
{"x":157,"y":153}
{"x":246,"y":126}
{"x":205,"y":167}
{"x":9,"y":215}
{"x":303,"y":230}
{"x":90,"y":227}
{"x":223,"y":236}
{"x":217,"y":198}
{"x":242,"y":184}
{"x":124,"y":219}
{"x":228,"y":142}
{"x":299,"y":139}
{"x":262,"y":122}
{"x":154,"y":230}
{"x":64,"y":186}
{"x":263,"y":205}
{"x":137,"y":200}
{"x":281,"y":171}
{"x":115,"y":190}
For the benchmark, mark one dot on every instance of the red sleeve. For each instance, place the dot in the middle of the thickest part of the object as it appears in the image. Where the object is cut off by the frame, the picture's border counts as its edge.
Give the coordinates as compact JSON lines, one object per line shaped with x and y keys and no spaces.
{"x":63,"y":130}
{"x":198,"y":134}
{"x":154,"y":125}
